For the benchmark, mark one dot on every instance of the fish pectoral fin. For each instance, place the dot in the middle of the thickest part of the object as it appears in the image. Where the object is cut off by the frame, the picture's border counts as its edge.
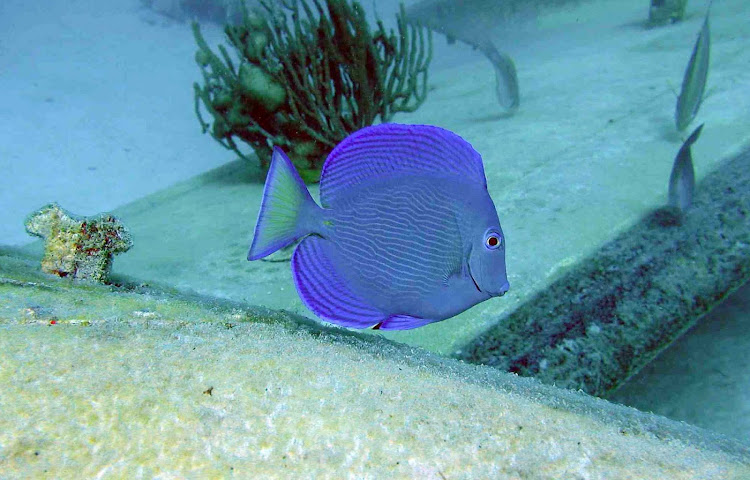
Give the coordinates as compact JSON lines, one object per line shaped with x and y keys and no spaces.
{"x":450,"y":274}
{"x":710,"y":92}
{"x":454,"y":269}
{"x":674,"y":90}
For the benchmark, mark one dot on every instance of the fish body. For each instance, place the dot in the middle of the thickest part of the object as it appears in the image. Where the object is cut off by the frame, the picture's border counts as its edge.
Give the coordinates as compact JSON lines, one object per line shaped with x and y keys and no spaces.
{"x":472,"y":23}
{"x":407,"y":234}
{"x":506,"y":78}
{"x":682,"y":178}
{"x":694,"y":80}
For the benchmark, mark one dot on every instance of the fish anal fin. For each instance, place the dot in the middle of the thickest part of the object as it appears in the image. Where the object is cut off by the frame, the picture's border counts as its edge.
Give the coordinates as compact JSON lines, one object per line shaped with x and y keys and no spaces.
{"x":324,"y":291}
{"x":403,"y":322}
{"x":711,"y":91}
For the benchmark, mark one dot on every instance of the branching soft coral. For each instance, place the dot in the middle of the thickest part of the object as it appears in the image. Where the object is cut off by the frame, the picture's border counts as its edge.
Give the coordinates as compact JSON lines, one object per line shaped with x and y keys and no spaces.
{"x":309,"y":74}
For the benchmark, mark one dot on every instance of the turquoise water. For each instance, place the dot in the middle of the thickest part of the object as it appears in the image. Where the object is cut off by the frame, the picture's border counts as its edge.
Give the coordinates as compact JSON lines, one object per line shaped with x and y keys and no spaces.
{"x":100,"y":117}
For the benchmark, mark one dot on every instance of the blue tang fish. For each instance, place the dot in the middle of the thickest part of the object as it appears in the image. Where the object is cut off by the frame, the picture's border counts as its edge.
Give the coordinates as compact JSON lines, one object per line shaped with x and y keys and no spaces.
{"x":407,"y":234}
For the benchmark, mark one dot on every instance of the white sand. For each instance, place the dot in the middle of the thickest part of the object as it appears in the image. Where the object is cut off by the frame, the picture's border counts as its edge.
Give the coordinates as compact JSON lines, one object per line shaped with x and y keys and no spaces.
{"x":97,"y":107}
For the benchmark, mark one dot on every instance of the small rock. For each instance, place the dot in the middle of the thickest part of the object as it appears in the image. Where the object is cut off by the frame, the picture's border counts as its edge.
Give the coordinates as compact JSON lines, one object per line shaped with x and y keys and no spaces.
{"x":81,"y":247}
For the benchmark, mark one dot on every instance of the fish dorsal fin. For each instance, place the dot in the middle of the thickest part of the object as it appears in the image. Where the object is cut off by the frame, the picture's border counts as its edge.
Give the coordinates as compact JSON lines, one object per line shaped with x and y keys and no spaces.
{"x":390,"y":149}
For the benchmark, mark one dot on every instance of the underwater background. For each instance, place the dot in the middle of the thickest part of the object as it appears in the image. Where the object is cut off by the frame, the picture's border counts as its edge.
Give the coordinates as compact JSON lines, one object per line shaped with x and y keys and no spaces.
{"x":571,"y":105}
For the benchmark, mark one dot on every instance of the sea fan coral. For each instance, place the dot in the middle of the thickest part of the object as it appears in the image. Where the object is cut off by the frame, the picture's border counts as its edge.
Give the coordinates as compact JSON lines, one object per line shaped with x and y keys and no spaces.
{"x":308,"y":75}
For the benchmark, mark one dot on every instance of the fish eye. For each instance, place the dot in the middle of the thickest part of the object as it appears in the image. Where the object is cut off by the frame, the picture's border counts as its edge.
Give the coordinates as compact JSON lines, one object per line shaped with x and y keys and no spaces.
{"x":493,"y":241}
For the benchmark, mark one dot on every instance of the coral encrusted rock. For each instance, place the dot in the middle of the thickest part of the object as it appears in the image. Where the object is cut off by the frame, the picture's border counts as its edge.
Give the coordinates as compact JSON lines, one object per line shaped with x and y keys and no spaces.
{"x":81,"y":247}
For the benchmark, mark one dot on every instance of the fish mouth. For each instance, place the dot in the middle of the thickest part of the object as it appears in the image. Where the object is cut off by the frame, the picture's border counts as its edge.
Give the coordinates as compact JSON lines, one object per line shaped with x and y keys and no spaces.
{"x":502,"y":291}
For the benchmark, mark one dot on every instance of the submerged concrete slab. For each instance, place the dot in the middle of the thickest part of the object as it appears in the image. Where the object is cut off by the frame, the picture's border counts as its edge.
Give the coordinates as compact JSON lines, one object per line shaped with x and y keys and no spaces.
{"x":612,"y":313}
{"x":587,"y":155}
{"x":704,"y":377}
{"x":131,"y":381}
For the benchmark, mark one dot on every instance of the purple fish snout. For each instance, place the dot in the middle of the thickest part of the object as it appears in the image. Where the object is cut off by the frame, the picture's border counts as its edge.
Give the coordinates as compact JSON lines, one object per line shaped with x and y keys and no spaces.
{"x":503,"y":289}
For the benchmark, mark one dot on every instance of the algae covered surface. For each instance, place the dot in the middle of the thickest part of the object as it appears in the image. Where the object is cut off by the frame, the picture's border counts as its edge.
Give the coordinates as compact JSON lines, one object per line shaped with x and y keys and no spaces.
{"x":131,"y":381}
{"x":563,"y":189}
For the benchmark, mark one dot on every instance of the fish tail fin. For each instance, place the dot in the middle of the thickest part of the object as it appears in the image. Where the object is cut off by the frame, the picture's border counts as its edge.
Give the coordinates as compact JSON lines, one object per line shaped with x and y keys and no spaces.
{"x":287,"y":211}
{"x":693,"y":137}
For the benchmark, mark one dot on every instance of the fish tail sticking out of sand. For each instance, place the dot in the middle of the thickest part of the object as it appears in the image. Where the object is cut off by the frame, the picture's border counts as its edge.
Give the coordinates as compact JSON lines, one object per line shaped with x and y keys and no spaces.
{"x":682,"y":179}
{"x":407,"y":233}
{"x":694,"y":80}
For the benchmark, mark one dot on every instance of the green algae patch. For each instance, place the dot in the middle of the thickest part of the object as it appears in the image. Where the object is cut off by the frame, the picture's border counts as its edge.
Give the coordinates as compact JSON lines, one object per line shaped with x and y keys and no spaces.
{"x":207,"y":389}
